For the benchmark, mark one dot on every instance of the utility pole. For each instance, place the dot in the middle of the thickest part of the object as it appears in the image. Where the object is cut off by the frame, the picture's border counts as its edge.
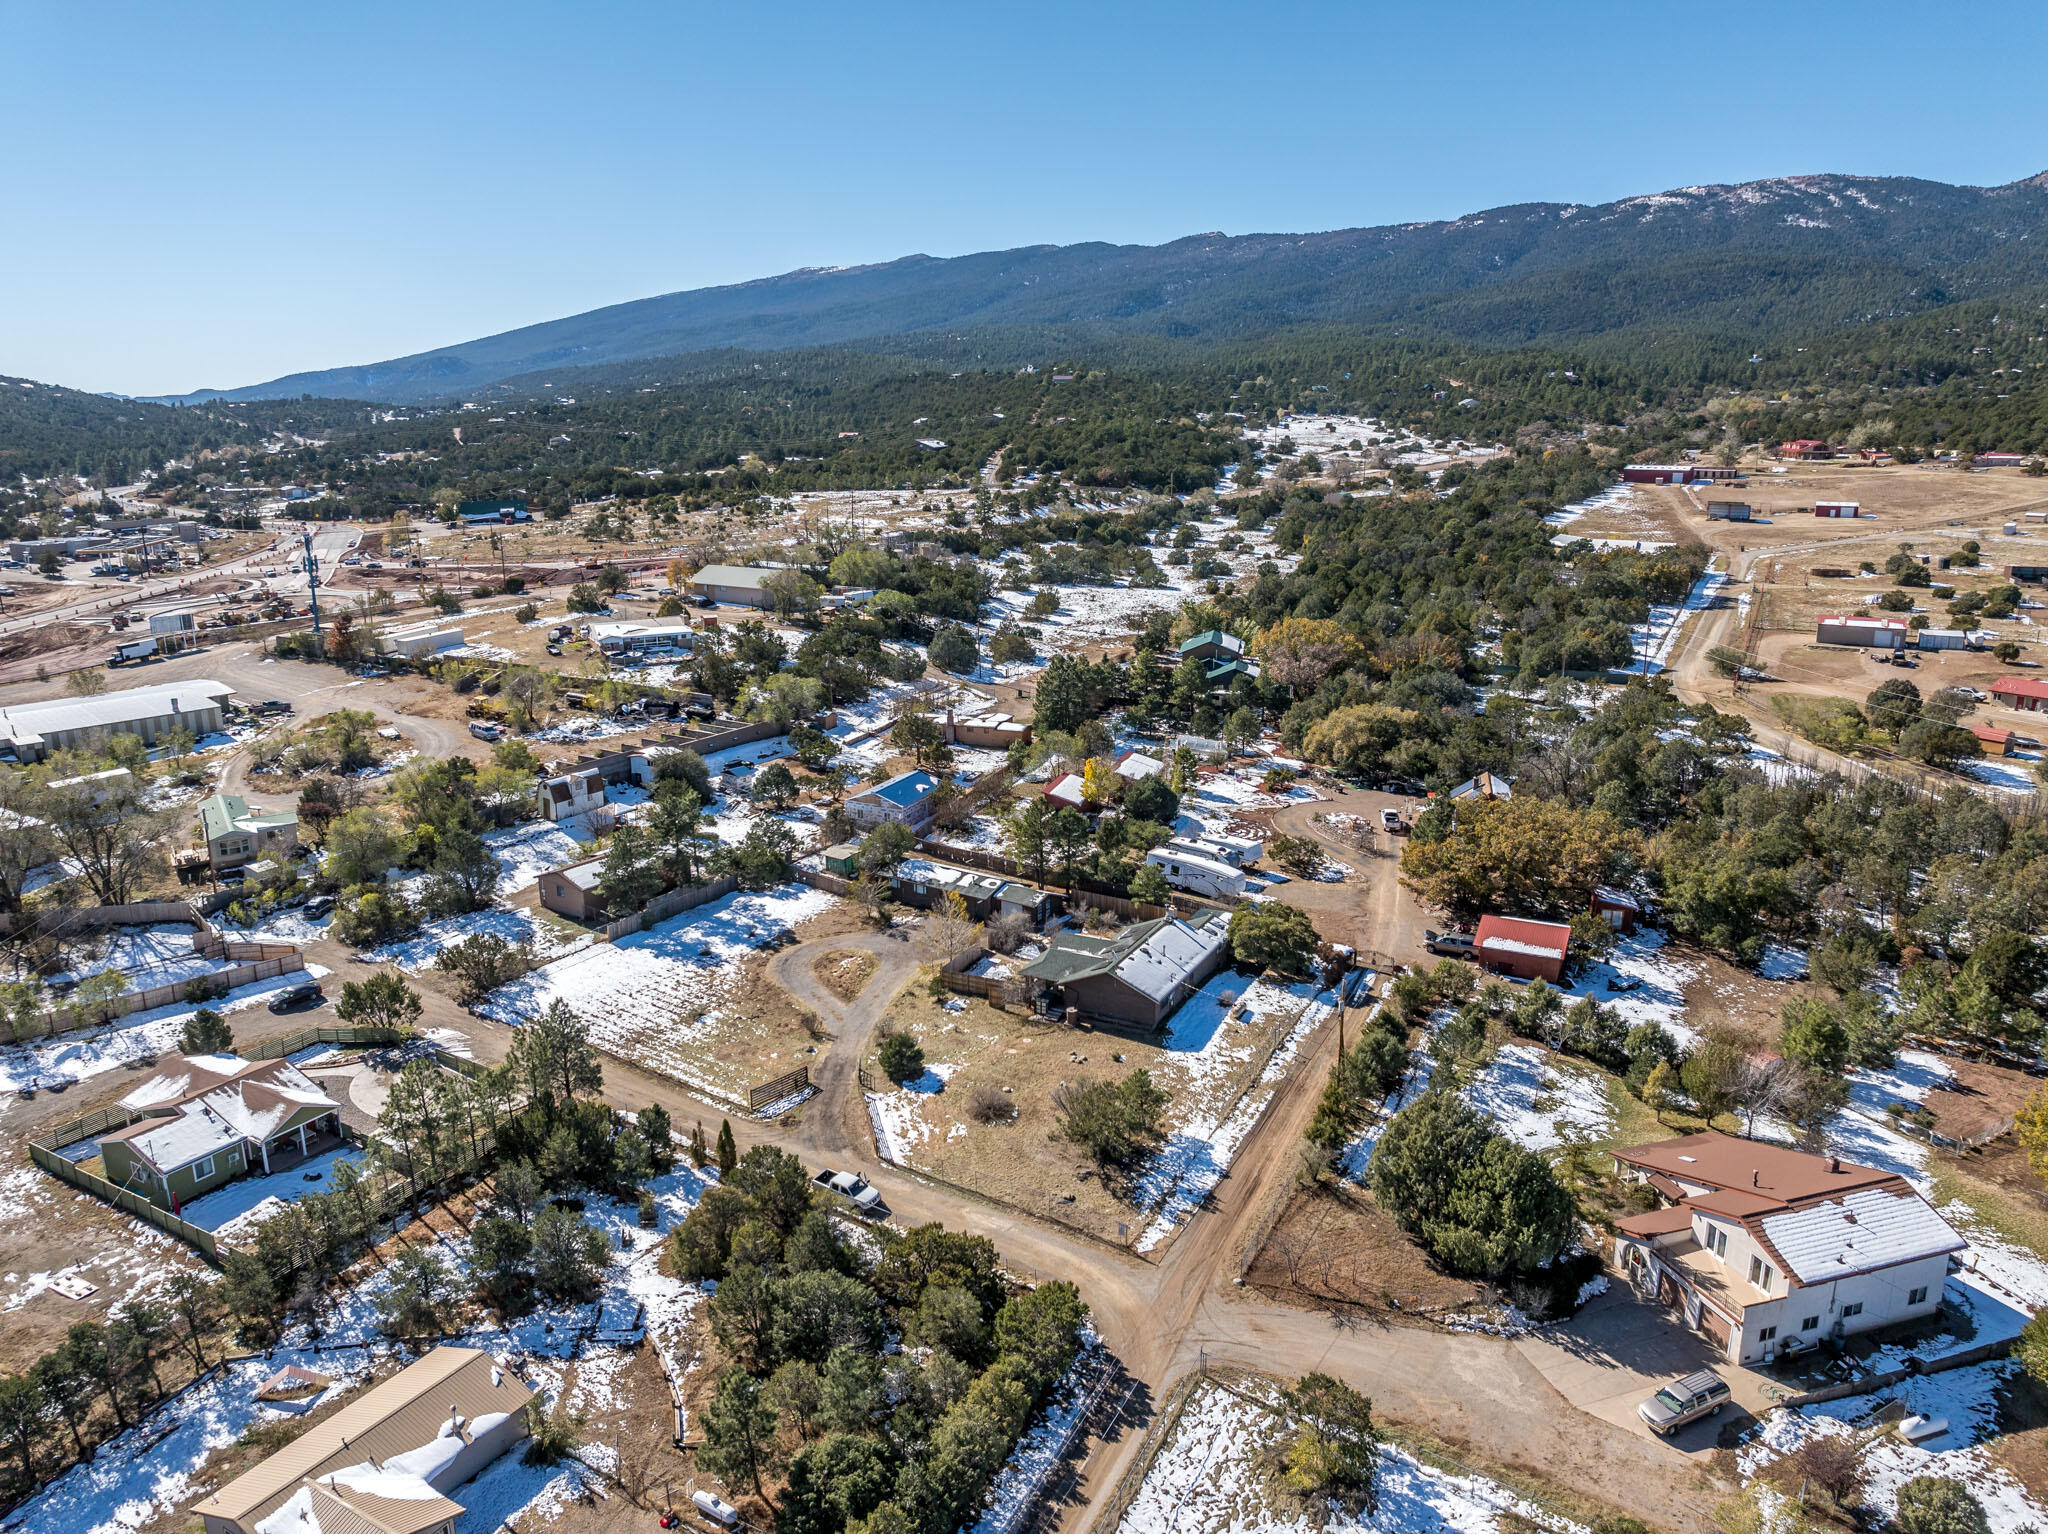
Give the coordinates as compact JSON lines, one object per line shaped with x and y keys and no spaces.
{"x":312,"y":580}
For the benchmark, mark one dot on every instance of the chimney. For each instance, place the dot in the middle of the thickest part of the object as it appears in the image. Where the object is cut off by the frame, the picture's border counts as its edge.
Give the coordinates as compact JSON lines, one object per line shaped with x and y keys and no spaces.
{"x":1834,"y":1163}
{"x":1753,"y":1175}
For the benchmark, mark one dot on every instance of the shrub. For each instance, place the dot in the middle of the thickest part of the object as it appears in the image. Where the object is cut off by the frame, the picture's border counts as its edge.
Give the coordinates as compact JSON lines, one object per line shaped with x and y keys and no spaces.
{"x":527,"y":612}
{"x":1931,"y":1504}
{"x":206,"y":1032}
{"x":989,"y":1105}
{"x":1118,"y":1123}
{"x":901,"y":1058}
{"x":1478,"y":1202}
{"x":1273,"y":935}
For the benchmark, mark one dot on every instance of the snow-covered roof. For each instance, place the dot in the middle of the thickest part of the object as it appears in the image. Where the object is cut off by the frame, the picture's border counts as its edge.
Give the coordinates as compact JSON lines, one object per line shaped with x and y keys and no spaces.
{"x":1170,"y":955}
{"x":1516,"y":945}
{"x":218,"y":1101}
{"x":1136,"y":765}
{"x":1607,"y":894}
{"x":1871,"y":1228}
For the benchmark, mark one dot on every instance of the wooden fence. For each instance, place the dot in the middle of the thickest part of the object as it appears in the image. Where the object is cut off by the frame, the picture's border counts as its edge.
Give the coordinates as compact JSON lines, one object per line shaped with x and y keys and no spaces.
{"x":817,"y":878}
{"x":43,"y":1148}
{"x":69,"y":1019}
{"x":684,"y":898}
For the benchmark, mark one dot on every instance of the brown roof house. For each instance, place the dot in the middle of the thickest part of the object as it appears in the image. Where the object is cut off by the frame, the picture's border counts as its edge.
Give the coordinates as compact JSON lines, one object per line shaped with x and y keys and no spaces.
{"x":1769,"y":1250}
{"x":386,"y":1462}
{"x":208,"y":1119}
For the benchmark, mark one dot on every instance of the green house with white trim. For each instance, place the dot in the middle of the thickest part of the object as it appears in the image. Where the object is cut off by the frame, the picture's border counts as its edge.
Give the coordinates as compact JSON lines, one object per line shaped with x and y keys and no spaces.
{"x":204,"y":1120}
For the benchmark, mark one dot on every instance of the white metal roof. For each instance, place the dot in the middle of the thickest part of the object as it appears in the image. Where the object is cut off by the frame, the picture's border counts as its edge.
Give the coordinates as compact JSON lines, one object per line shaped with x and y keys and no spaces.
{"x":1171,"y":954}
{"x":22,"y":720}
{"x":1871,"y":1228}
{"x":1516,"y":945}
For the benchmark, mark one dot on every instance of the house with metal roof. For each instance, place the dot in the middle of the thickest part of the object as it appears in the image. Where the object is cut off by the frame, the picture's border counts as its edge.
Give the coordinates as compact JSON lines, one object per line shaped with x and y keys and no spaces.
{"x":205,"y":1120}
{"x":731,"y":586}
{"x":923,"y":883}
{"x":1768,"y":1250}
{"x":1484,"y":785}
{"x":907,"y":798}
{"x":1140,"y":975}
{"x":386,"y":1462}
{"x":1212,"y":645}
{"x":236,"y":835}
{"x":33,"y":730}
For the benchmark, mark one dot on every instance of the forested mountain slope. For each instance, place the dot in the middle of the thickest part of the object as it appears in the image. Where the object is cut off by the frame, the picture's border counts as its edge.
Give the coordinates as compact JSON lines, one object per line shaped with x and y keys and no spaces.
{"x":1760,"y":259}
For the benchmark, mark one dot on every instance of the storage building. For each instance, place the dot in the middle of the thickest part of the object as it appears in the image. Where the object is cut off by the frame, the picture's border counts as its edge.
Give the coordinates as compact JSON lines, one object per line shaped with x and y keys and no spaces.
{"x":1837,"y":509}
{"x":1856,"y":629}
{"x":33,"y":730}
{"x":1530,"y":950}
{"x":1728,"y":511}
{"x":731,"y":586}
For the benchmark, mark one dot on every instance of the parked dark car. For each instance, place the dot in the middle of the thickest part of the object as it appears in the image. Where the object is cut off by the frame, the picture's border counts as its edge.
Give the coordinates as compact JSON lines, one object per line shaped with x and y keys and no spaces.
{"x":306,"y":994}
{"x":319,"y":906}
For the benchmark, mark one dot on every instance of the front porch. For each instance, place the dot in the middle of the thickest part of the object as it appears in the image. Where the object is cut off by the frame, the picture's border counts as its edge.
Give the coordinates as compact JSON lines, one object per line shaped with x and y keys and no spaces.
{"x":297,"y":1146}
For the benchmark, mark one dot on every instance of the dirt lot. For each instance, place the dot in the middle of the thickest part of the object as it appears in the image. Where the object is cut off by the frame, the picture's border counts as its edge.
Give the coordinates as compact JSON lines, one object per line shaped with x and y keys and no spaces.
{"x":1023,"y":1058}
{"x":1334,"y":1243}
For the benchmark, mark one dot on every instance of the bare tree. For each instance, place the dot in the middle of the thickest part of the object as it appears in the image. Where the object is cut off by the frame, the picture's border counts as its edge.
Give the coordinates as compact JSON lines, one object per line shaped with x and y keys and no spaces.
{"x":106,"y":825}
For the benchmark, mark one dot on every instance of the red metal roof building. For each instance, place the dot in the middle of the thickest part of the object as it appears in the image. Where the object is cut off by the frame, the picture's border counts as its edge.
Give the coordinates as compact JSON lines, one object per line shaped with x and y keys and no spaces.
{"x":1805,"y":447}
{"x":1530,"y":950}
{"x":2024,"y":692}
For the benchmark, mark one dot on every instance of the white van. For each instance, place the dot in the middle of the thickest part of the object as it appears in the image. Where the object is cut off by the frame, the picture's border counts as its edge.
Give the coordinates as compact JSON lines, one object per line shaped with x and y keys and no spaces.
{"x":1198,"y":875}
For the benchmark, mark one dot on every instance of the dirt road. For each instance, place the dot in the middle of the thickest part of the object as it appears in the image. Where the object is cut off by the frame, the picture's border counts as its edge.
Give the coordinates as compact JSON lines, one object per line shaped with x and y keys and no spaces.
{"x":1161,"y":1318}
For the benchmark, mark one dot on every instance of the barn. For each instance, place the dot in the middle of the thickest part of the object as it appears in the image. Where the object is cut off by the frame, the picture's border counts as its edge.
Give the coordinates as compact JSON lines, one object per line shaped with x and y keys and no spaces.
{"x":1837,"y":509}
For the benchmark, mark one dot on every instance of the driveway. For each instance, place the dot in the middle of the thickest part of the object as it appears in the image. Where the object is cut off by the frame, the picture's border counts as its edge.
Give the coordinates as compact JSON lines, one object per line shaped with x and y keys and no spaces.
{"x":1616,"y":1352}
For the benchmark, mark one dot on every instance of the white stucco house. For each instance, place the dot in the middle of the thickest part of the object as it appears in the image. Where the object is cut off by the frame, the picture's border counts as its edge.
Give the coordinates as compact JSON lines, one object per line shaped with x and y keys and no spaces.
{"x":1768,"y":1250}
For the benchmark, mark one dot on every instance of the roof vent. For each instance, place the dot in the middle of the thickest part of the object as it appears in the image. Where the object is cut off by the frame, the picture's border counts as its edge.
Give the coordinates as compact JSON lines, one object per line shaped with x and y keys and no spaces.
{"x":1849,"y":1215}
{"x":1834,"y":1163}
{"x":1754,"y":1175}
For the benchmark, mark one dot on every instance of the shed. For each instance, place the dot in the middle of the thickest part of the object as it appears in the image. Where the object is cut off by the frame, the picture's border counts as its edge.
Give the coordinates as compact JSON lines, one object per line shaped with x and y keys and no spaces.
{"x":1618,"y":908}
{"x":1855,"y":629}
{"x":1996,"y":742}
{"x":1837,"y":509}
{"x":1529,"y":950}
{"x":843,"y":860}
{"x":1728,"y":511}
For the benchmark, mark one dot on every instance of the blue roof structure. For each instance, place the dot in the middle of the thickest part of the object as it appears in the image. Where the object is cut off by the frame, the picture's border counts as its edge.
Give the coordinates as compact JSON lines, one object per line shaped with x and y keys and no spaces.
{"x":906,"y":788}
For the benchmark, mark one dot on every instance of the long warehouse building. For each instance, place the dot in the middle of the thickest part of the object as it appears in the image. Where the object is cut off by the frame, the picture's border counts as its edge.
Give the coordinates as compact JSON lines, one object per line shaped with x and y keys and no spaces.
{"x":34,"y":730}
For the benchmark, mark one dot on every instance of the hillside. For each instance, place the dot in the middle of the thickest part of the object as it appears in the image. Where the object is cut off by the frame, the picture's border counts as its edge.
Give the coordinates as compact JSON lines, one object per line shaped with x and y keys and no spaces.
{"x":1734,"y":263}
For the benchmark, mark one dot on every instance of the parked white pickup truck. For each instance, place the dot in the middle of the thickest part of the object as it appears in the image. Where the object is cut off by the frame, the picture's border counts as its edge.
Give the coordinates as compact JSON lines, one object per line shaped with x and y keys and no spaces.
{"x":855,"y":1189}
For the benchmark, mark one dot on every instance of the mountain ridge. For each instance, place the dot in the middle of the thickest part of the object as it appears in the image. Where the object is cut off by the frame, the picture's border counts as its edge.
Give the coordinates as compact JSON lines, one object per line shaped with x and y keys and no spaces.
{"x":1812,"y":251}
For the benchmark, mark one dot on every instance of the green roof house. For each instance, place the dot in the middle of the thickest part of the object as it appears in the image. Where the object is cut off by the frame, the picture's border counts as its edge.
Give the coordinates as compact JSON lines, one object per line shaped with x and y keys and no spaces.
{"x":236,"y":834}
{"x":1141,"y":975}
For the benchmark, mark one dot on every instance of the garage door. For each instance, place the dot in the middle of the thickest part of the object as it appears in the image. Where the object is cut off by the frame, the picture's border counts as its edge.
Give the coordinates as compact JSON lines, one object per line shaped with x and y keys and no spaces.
{"x":1716,"y":1327}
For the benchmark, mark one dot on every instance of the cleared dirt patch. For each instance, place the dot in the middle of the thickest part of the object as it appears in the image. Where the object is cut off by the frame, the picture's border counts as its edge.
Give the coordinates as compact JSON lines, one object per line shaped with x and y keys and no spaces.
{"x":1335,"y":1243}
{"x":844,"y":972}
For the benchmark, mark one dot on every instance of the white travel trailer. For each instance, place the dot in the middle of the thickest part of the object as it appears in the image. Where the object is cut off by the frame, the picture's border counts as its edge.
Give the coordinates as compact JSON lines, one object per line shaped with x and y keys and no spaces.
{"x":1197,"y":875}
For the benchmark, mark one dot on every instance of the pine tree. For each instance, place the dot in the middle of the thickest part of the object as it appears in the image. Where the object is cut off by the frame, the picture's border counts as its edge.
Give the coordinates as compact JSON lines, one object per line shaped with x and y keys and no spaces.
{"x":728,"y":1150}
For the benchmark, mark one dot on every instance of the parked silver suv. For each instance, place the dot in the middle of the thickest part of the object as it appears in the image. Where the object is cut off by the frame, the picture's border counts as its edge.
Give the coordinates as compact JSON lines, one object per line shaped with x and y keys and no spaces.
{"x":1683,"y":1401}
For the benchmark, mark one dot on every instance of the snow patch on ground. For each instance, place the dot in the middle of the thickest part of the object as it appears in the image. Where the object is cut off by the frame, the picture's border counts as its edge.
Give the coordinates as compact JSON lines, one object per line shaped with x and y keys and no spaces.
{"x":652,"y":995}
{"x":1206,"y":1479}
{"x":1537,"y":1102}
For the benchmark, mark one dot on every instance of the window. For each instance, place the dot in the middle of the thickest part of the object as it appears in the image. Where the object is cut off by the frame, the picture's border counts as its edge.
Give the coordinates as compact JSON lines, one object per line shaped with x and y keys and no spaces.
{"x":1852,"y":1310}
{"x":1717,"y":1241}
{"x":1810,"y":1324}
{"x":1768,"y":1334}
{"x":201,"y":1170}
{"x":1917,"y":1296}
{"x":1761,"y":1273}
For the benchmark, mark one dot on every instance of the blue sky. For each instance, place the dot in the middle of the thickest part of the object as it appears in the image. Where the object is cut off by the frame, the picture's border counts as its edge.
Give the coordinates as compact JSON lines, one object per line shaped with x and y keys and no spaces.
{"x":214,"y":194}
